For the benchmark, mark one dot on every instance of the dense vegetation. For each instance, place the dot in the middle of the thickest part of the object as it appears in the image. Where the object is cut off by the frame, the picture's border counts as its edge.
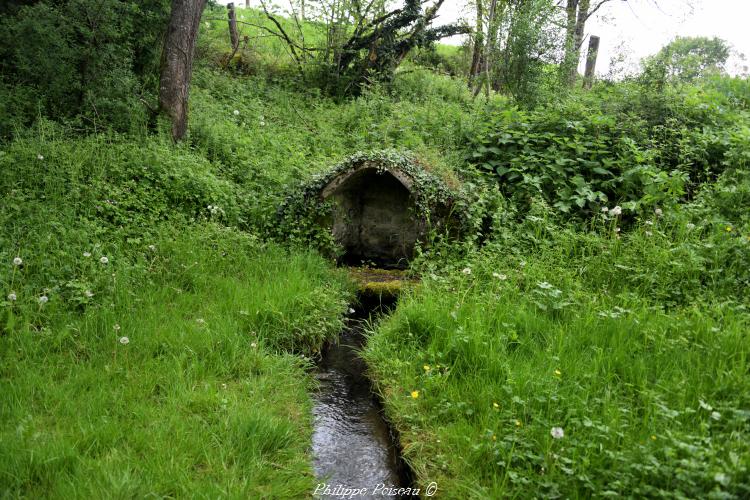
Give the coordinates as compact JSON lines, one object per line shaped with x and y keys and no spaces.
{"x":587,"y":335}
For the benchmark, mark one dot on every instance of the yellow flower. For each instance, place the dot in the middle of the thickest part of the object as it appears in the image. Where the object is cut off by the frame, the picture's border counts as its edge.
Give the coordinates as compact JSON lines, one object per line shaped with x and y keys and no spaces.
{"x":653,"y":437}
{"x":558,"y":373}
{"x":729,"y":228}
{"x":494,"y":438}
{"x":496,"y":405}
{"x":426,"y":368}
{"x":415,"y":394}
{"x":518,"y":423}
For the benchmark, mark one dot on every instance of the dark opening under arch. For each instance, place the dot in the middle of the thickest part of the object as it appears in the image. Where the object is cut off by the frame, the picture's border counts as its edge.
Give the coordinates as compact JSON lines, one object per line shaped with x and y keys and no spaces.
{"x":374,"y":217}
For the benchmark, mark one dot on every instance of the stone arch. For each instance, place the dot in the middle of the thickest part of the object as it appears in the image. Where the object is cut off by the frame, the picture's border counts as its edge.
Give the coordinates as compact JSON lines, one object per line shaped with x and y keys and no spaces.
{"x":375,"y":217}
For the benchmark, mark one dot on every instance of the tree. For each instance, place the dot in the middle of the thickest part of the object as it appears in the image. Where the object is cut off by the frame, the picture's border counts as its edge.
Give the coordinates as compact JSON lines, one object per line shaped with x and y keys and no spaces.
{"x":364,"y":41}
{"x":177,"y":62}
{"x":686,"y":59}
{"x":577,"y":12}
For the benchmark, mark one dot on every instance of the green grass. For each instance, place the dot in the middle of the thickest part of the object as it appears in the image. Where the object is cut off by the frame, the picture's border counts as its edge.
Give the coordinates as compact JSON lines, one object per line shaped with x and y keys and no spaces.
{"x":205,"y":400}
{"x":634,"y":343}
{"x":601,"y":335}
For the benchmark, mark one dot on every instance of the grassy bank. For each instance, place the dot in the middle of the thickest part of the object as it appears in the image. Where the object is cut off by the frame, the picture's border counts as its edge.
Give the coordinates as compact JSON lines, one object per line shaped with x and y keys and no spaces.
{"x":177,"y":387}
{"x":578,"y":364}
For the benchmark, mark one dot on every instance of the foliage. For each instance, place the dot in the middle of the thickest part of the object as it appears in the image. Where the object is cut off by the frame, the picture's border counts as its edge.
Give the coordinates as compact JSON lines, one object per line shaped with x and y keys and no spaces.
{"x":685,"y":60}
{"x":619,"y":146}
{"x":364,"y":43}
{"x":83,"y":60}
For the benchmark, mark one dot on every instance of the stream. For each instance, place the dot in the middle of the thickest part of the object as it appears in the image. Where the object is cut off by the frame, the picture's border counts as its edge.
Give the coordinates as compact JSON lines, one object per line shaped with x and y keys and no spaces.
{"x":356,"y":453}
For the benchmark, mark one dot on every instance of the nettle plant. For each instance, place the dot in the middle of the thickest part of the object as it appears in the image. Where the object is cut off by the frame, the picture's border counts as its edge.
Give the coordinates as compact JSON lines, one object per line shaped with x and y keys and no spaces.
{"x":305,"y":216}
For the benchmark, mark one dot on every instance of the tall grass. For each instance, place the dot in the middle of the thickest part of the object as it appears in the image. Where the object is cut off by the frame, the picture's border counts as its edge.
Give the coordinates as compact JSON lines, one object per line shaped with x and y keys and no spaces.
{"x":635,"y":345}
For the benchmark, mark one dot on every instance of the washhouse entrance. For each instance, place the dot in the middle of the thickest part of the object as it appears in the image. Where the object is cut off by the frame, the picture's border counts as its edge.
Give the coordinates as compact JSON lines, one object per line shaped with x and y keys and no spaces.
{"x":374,"y":216}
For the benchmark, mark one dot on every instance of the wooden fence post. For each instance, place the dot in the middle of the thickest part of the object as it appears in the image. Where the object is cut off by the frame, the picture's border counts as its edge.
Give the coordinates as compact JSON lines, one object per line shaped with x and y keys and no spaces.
{"x":588,"y":77}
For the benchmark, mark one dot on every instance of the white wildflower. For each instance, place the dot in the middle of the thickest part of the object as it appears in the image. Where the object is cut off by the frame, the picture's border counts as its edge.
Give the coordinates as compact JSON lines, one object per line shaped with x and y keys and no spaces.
{"x":716,"y":415}
{"x":253,"y":345}
{"x":39,"y":157}
{"x":658,"y":212}
{"x":617,"y":210}
{"x":262,"y":123}
{"x":87,"y":254}
{"x":200,"y":321}
{"x":104,"y":260}
{"x":466,"y":270}
{"x":236,"y":112}
{"x":605,"y":210}
{"x":12,"y":296}
{"x":499,"y":276}
{"x":124,"y":340}
{"x":43,"y":299}
{"x":17,"y":261}
{"x":690,"y":226}
{"x":88,"y":293}
{"x":351,"y":310}
{"x":557,"y":432}
{"x":649,"y":233}
{"x":617,"y":229}
{"x":116,"y":327}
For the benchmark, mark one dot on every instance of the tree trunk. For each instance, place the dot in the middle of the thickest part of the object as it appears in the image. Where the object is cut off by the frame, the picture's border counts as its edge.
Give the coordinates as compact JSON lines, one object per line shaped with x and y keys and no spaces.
{"x":177,"y":62}
{"x":476,"y":56}
{"x":489,"y":50}
{"x":583,"y":14}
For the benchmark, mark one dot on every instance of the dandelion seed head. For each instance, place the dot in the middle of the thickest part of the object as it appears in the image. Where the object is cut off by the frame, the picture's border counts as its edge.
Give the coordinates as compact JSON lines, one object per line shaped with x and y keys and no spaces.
{"x":116,"y":327}
{"x":104,"y":260}
{"x":466,"y":270}
{"x":557,"y":433}
{"x":39,"y":157}
{"x":17,"y":261}
{"x":87,"y":254}
{"x":12,"y":296}
{"x":43,"y":299}
{"x":658,"y":212}
{"x":124,"y":340}
{"x":236,"y":112}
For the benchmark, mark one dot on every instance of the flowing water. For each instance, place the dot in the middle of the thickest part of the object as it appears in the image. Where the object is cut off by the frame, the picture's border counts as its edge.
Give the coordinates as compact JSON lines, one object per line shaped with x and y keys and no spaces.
{"x":353,"y":446}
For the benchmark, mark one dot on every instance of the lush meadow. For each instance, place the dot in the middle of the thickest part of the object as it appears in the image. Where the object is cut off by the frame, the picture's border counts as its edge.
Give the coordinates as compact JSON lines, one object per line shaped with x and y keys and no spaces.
{"x":586,"y":335}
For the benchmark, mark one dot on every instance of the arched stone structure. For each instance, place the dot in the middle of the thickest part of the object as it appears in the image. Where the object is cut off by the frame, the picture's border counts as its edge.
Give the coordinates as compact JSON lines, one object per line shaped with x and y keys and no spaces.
{"x":375,"y":215}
